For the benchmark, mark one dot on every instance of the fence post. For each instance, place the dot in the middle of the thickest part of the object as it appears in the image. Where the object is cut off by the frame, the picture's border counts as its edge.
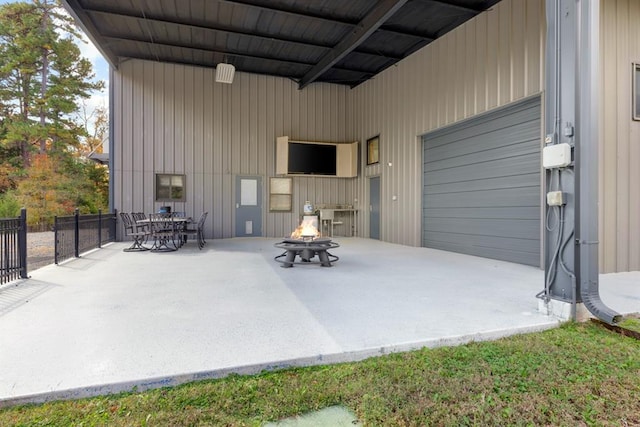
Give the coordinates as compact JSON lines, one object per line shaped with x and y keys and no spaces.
{"x":55,"y":239}
{"x":22,"y":243}
{"x":99,"y":228}
{"x":76,"y":242}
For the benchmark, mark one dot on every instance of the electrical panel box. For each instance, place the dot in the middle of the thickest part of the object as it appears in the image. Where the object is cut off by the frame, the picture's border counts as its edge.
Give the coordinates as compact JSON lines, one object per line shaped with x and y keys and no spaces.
{"x":556,"y":156}
{"x":556,"y":198}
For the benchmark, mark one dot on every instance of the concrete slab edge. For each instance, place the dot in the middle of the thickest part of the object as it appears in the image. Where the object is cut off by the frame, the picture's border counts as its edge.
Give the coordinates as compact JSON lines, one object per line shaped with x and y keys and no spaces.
{"x":321,"y":359}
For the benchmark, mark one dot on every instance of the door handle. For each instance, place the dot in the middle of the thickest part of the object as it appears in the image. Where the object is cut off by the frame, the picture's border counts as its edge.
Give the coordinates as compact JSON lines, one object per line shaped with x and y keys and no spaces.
{"x":370,"y":208}
{"x":237,"y":205}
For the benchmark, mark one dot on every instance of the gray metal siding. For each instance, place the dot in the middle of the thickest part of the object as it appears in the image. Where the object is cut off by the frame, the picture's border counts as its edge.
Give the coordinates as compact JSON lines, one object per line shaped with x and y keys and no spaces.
{"x":175,"y":119}
{"x":491,"y":61}
{"x":481,"y":185}
{"x":619,"y":207}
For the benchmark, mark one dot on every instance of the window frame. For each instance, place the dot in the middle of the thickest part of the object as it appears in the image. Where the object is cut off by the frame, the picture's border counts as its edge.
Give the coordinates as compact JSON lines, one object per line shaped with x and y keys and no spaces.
{"x":373,"y":150}
{"x":280,"y":194}
{"x":635,"y":93}
{"x":171,"y":176}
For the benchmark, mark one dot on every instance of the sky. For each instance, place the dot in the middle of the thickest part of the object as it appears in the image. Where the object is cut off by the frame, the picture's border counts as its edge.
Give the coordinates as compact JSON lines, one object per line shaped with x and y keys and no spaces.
{"x":100,"y":68}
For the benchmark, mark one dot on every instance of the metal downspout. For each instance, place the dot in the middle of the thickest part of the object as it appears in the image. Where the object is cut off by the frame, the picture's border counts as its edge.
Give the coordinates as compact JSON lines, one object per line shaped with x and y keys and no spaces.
{"x":588,"y":104}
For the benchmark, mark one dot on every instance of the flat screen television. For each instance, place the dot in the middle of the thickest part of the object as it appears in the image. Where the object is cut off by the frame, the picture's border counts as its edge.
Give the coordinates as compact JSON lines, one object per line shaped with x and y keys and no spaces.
{"x":322,"y":159}
{"x":312,"y":159}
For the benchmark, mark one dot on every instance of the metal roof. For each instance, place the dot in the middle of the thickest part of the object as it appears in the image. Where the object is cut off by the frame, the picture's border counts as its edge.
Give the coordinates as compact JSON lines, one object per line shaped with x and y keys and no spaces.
{"x":337,"y":41}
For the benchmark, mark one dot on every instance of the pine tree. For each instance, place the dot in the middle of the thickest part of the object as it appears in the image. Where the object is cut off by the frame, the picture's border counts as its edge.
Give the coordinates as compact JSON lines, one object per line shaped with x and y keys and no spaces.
{"x":43,"y":82}
{"x":43,"y":78}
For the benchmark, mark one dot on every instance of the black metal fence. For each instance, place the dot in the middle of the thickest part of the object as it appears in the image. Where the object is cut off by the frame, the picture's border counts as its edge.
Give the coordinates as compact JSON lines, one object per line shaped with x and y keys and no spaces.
{"x":79,"y":233}
{"x":13,"y":248}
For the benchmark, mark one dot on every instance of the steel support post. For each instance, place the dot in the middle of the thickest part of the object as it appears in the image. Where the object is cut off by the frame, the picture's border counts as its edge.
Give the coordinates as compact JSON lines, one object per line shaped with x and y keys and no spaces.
{"x":572,"y":117}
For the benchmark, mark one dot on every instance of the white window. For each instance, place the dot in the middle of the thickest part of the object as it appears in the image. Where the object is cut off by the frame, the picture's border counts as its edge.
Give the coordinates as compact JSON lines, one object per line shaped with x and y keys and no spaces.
{"x":170,"y":188}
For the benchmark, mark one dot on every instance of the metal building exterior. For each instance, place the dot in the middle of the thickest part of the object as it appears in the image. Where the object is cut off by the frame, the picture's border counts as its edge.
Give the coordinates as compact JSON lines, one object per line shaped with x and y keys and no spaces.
{"x":172,"y":118}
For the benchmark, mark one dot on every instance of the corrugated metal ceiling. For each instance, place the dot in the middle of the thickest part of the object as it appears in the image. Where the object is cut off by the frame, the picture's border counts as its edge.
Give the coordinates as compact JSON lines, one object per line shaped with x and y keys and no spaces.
{"x":336,"y":41}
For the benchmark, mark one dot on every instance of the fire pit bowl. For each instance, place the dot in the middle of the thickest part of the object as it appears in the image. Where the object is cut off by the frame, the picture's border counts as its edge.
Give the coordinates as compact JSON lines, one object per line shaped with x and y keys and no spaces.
{"x":307,"y":249}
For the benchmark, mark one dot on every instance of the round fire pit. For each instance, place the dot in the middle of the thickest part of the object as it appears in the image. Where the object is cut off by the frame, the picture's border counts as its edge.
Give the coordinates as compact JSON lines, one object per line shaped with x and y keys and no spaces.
{"x":306,"y":249}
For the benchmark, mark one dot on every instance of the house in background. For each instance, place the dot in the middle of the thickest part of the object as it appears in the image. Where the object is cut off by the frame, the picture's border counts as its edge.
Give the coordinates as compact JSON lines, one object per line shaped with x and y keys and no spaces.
{"x":446,"y":99}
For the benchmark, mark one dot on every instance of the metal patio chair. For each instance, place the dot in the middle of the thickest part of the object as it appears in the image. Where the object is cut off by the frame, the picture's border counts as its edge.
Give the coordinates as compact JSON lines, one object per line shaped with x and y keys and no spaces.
{"x":164,"y":231}
{"x":138,"y":233}
{"x":197,"y":231}
{"x":141,"y":221}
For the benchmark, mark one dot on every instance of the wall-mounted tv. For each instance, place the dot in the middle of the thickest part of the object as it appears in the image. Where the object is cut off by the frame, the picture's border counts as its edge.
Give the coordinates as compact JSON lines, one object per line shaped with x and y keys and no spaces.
{"x":311,"y":159}
{"x":323,"y":159}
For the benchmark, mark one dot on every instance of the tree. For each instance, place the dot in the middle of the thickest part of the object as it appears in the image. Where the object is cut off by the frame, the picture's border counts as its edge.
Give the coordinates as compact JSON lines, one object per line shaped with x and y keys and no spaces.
{"x":42,"y":78}
{"x":57,"y":186}
{"x":43,"y":81}
{"x":96,"y":125}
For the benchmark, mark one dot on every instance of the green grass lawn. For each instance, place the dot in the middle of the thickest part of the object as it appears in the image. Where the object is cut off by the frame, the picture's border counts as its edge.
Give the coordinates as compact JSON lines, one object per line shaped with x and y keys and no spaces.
{"x":578,"y":374}
{"x":631,"y":323}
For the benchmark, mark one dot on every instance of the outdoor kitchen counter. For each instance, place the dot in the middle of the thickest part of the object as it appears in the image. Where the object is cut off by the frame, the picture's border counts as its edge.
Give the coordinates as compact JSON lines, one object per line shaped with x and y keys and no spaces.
{"x":331,"y":217}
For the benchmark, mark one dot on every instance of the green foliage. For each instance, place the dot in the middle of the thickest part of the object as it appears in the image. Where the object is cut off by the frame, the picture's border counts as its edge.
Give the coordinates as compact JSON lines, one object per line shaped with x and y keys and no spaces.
{"x":56,"y":187}
{"x":579,"y":374}
{"x":42,"y":77}
{"x":43,"y":82}
{"x":9,"y":205}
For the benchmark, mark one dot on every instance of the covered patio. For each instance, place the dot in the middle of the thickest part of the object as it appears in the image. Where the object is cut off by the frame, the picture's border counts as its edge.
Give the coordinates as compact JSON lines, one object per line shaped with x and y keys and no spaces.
{"x":112,"y":321}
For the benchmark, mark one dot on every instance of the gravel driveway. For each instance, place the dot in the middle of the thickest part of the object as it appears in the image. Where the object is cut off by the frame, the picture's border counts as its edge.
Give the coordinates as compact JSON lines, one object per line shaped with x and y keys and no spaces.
{"x":40,"y":249}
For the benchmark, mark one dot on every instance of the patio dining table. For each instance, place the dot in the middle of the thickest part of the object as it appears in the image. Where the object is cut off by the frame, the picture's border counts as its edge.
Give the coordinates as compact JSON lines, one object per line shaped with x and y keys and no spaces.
{"x":165,"y":229}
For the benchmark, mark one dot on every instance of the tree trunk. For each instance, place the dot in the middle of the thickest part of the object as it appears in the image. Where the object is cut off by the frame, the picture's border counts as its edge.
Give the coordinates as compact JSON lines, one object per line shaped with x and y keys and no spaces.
{"x":45,"y":77}
{"x":24,"y":144}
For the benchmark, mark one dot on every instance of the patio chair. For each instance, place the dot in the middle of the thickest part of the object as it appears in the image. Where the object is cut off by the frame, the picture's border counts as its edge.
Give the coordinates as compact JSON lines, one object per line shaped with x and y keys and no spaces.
{"x":138,"y":233}
{"x":164,"y":232}
{"x":197,"y":231}
{"x":138,"y":217}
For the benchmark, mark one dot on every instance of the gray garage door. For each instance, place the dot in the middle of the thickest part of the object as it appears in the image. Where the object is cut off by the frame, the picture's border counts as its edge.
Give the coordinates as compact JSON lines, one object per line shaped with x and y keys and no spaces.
{"x":481,"y":185}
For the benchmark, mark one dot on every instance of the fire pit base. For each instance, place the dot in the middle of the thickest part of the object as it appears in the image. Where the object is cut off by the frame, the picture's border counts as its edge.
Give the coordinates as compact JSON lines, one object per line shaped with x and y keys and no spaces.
{"x":306,"y":250}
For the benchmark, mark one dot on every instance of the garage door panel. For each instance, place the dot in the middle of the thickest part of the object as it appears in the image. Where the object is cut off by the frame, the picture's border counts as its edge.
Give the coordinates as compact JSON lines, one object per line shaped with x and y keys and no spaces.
{"x":527,"y":196}
{"x":503,"y":182}
{"x":532,"y":213}
{"x":510,"y":255}
{"x":509,"y":228}
{"x":481,"y":188}
{"x":479,"y":127}
{"x":506,"y":152}
{"x":494,"y":141}
{"x":512,"y":166}
{"x":473,"y":241}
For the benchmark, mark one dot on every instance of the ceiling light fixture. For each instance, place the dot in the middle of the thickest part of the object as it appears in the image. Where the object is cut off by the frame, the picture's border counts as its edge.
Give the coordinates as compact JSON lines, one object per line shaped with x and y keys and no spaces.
{"x":225,"y":72}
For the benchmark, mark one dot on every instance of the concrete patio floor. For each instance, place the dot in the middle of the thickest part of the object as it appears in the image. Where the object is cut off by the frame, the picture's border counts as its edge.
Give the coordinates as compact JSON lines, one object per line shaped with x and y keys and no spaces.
{"x":112,"y":321}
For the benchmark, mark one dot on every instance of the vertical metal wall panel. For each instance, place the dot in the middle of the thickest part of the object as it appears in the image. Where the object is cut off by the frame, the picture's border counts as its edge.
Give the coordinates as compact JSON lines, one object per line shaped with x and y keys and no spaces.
{"x":198,"y":188}
{"x":126,"y":147}
{"x":137,"y":196}
{"x":149,"y":109}
{"x":176,"y":119}
{"x":115,"y":145}
{"x":482,"y":187}
{"x":619,"y":152}
{"x":432,"y":89}
{"x":634,"y":148}
{"x":505,"y":52}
